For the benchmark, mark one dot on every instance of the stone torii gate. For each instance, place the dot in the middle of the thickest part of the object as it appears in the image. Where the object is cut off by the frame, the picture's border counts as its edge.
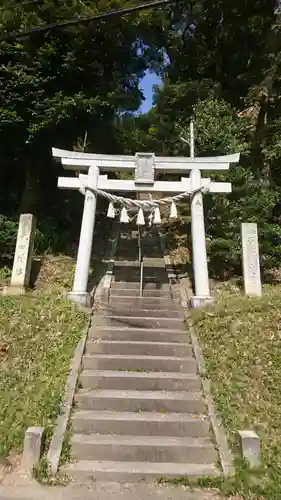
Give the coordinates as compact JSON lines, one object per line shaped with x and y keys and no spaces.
{"x":90,"y":182}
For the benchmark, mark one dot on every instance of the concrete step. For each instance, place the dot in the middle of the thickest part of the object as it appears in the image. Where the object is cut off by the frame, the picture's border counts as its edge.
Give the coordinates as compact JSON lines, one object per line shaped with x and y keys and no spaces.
{"x":135,"y":285}
{"x":127,"y":239}
{"x":148,"y":270}
{"x":128,"y":249}
{"x":135,"y":401}
{"x":127,"y":292}
{"x":142,"y":302}
{"x":151,"y":265}
{"x":129,"y":246}
{"x":143,"y":448}
{"x":154,"y":274}
{"x":139,"y":322}
{"x":138,"y":334}
{"x":143,"y":381}
{"x":146,"y":244}
{"x":136,"y":348}
{"x":133,"y":282}
{"x":148,"y":262}
{"x":129,"y":253}
{"x":125,"y":310}
{"x":137,"y":363}
{"x":152,"y":253}
{"x":128,"y":235}
{"x":128,"y":232}
{"x":126,"y":264}
{"x":140,"y":424}
{"x":150,"y":245}
{"x":131,"y":472}
{"x":133,"y":255}
{"x":135,"y":278}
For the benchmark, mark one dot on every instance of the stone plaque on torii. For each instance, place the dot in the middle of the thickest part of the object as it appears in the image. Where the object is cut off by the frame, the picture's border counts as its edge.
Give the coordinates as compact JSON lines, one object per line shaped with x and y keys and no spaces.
{"x":92,"y":180}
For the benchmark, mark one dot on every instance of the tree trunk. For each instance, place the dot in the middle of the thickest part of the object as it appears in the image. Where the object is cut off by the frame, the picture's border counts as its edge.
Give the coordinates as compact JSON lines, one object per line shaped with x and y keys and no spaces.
{"x":31,"y":191}
{"x":262,"y":167}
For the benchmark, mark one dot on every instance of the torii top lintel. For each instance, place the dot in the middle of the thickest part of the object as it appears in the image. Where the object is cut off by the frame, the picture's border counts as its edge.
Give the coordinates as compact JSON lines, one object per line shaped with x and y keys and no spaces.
{"x":72,"y":160}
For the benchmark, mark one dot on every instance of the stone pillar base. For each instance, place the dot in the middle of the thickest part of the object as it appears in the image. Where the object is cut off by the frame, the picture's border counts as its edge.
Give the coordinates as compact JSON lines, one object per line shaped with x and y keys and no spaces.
{"x":14,"y":290}
{"x":80,"y":298}
{"x":200,"y":300}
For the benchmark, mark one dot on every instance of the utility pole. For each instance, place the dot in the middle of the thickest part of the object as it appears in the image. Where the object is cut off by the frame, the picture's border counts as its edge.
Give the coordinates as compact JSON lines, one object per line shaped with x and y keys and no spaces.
{"x":191,"y":141}
{"x":191,"y":129}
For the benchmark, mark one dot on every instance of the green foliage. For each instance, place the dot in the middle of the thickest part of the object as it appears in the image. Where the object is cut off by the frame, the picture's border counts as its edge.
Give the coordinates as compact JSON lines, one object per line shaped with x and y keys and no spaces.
{"x":5,"y":274}
{"x":249,"y":201}
{"x":51,"y":238}
{"x":221,"y":60}
{"x":225,"y":64}
{"x":57,"y":85}
{"x":42,"y":472}
{"x":37,"y":337}
{"x":58,"y":232}
{"x":47,"y":237}
{"x":8,"y":236}
{"x":242,"y":352}
{"x":219,"y":130}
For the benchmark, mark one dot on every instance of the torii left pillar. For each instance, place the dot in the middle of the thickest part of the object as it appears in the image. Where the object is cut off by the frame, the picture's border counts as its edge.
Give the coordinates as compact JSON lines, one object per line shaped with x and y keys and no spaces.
{"x":79,"y":293}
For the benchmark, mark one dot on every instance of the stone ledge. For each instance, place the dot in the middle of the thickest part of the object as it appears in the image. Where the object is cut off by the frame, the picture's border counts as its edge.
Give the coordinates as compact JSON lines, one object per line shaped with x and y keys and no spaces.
{"x":216,"y":424}
{"x":55,"y":448}
{"x":81,"y":298}
{"x":199,"y":301}
{"x":32,"y":448}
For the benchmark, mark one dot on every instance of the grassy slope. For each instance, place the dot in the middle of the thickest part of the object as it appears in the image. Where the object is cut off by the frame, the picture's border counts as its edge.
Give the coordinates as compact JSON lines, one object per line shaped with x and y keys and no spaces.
{"x":38,"y":335}
{"x":241,"y":341}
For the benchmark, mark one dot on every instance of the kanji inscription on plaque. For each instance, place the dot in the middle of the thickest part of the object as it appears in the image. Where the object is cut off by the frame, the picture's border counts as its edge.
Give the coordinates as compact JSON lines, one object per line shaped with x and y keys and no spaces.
{"x":144,"y":172}
{"x":251,"y":261}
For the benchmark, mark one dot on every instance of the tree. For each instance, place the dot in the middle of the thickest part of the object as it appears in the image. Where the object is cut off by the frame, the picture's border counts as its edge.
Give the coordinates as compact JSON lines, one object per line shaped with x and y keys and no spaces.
{"x":223,"y":60}
{"x":220,"y":130}
{"x":56,"y":85}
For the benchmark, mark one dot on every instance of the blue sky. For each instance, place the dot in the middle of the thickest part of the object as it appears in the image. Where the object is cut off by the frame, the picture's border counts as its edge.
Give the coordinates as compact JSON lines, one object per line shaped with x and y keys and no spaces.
{"x":146,"y":84}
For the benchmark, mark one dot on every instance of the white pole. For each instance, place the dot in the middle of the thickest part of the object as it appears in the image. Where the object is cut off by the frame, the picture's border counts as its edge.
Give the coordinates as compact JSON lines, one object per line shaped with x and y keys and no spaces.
{"x":199,"y":252}
{"x":192,"y":138}
{"x":79,"y":292}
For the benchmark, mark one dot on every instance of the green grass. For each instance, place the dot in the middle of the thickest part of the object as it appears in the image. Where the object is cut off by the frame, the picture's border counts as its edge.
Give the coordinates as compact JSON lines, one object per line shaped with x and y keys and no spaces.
{"x":241,"y":342}
{"x":38,"y":335}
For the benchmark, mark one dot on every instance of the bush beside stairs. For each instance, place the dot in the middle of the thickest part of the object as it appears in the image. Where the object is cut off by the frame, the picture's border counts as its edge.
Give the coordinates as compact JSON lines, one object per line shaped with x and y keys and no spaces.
{"x":139,"y":411}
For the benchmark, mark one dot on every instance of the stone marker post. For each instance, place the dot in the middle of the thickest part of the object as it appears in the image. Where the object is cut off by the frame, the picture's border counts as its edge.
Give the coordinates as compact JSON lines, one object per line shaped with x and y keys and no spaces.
{"x":23,"y":254}
{"x":250,"y":447}
{"x":32,"y":448}
{"x":251,"y":259}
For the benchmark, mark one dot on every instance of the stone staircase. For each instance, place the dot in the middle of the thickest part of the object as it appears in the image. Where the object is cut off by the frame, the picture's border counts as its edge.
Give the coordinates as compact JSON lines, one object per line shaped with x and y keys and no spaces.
{"x":139,"y":410}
